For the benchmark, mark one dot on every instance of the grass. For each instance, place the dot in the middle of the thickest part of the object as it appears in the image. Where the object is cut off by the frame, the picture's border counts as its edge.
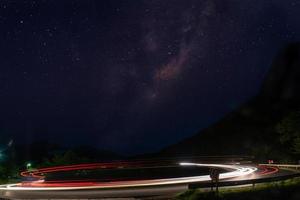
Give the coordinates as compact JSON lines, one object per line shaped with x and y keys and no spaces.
{"x":3,"y":182}
{"x":288,"y":189}
{"x":8,"y":181}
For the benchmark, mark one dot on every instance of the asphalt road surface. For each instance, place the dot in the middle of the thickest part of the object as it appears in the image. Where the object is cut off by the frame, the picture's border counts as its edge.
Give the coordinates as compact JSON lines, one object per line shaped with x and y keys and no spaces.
{"x":36,"y":185}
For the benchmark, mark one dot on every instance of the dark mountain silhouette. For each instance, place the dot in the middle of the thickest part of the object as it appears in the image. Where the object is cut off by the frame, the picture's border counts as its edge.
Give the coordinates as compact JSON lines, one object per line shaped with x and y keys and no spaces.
{"x":250,"y":129}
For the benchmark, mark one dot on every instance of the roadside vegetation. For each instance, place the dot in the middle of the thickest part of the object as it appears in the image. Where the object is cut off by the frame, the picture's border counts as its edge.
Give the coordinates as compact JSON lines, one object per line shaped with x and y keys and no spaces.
{"x":288,"y":189}
{"x":40,"y":154}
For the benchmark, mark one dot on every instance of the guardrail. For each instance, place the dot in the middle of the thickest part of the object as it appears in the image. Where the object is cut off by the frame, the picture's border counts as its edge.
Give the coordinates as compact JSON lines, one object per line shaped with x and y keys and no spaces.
{"x":243,"y":182}
{"x":252,"y":181}
{"x":297,"y":167}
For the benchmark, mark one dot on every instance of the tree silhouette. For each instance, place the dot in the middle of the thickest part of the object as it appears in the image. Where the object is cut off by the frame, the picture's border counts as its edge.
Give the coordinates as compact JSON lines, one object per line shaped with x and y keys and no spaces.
{"x":289,"y":132}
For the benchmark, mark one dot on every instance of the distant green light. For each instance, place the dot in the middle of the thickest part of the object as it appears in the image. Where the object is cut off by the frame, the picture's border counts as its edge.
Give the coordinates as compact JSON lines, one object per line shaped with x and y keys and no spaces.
{"x":28,"y":165}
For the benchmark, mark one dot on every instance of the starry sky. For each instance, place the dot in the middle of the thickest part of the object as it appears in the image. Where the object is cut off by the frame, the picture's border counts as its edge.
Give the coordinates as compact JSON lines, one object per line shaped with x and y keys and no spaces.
{"x":133,"y":76}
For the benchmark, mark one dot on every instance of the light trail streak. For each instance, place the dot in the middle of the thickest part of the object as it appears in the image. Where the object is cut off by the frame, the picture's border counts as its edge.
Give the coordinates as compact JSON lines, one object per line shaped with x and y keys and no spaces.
{"x":41,"y":185}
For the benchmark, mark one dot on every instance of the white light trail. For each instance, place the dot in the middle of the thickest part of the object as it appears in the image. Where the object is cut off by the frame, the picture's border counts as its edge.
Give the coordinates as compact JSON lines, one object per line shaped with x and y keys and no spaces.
{"x":238,"y":171}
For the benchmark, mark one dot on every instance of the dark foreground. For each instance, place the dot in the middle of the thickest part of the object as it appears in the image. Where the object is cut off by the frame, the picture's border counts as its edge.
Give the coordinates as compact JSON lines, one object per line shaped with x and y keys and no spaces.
{"x":289,"y":190}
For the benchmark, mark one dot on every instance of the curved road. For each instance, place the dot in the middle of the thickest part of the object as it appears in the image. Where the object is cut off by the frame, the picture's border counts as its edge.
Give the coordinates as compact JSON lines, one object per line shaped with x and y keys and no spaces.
{"x":40,"y":188}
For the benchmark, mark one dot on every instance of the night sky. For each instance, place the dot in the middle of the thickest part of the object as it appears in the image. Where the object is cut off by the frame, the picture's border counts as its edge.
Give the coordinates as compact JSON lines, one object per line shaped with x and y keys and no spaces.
{"x":133,"y":76}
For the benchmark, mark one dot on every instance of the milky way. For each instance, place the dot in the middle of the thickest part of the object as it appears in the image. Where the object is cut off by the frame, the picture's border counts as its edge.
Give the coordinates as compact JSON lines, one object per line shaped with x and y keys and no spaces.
{"x":133,"y":76}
